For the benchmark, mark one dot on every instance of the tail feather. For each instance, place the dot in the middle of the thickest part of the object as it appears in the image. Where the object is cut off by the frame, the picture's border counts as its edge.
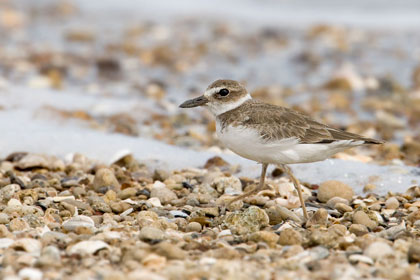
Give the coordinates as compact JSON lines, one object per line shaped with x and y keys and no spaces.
{"x":340,"y":135}
{"x":372,"y":141}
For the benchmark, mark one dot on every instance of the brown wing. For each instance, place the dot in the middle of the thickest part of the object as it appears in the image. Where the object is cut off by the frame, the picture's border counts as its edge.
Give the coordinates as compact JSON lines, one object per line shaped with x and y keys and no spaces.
{"x":277,"y":123}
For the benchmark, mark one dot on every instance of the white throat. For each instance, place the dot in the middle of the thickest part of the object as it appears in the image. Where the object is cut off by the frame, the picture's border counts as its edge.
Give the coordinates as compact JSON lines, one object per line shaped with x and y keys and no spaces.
{"x":219,"y":108}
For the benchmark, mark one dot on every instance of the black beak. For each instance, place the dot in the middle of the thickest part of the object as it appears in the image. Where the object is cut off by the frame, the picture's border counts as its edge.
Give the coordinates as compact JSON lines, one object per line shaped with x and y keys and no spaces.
{"x":199,"y":101}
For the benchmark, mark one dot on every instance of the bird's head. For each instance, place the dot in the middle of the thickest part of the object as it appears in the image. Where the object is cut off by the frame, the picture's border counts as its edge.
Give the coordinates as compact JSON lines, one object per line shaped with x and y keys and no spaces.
{"x":221,"y":96}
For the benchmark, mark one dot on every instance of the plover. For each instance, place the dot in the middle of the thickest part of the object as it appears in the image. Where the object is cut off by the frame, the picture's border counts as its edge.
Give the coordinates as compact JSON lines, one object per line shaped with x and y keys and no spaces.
{"x":270,"y":134}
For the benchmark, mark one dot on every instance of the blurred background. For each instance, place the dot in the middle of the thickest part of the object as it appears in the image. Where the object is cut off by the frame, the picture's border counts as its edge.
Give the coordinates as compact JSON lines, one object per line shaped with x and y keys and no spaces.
{"x":104,"y":77}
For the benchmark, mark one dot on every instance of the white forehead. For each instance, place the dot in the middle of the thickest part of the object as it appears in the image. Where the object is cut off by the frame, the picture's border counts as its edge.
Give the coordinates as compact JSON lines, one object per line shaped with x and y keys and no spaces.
{"x":209,"y":92}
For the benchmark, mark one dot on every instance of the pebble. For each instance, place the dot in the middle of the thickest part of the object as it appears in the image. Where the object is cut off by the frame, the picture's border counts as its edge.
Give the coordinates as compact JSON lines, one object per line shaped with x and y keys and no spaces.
{"x":151,"y":234}
{"x":87,"y":247}
{"x":7,"y":192}
{"x":29,"y":245}
{"x":251,"y":220}
{"x":50,"y":256}
{"x":394,"y":232}
{"x":337,"y":230}
{"x":155,"y":202}
{"x":355,"y":258}
{"x":414,"y":216}
{"x":360,"y":217}
{"x":414,"y":252}
{"x":64,"y":230}
{"x":170,"y":251}
{"x":343,"y":208}
{"x":332,"y":188}
{"x":98,"y":204}
{"x":160,"y":191}
{"x":278,"y":214}
{"x":105,"y":177}
{"x":18,"y":224}
{"x":392,"y":203}
{"x":6,"y":242}
{"x":4,"y":218}
{"x":358,"y":229}
{"x":227,"y":185}
{"x":80,"y":221}
{"x":144,"y":274}
{"x":265,"y":236}
{"x":378,"y":250}
{"x":193,"y":227}
{"x":29,"y":273}
{"x":332,"y":202}
{"x":290,"y":236}
{"x":320,"y":217}
{"x":32,"y":161}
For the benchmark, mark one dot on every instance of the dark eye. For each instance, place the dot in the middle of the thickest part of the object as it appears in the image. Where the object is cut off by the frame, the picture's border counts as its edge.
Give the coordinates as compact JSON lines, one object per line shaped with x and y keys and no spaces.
{"x":224,"y":92}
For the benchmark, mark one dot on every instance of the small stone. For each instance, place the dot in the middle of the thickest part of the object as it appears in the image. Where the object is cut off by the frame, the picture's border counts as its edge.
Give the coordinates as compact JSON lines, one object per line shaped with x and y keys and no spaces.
{"x":343,"y":208}
{"x":378,"y":250}
{"x":170,"y":251}
{"x":111,"y":195}
{"x":413,"y":217}
{"x":193,"y":227}
{"x":178,"y":214}
{"x":289,"y":236}
{"x":211,"y":211}
{"x":265,"y":236}
{"x":394,"y":232}
{"x":18,"y":224}
{"x":332,"y":202}
{"x":105,"y":177}
{"x":414,"y":252}
{"x":151,"y":234}
{"x":319,"y":253}
{"x":392,"y":203}
{"x":160,"y":175}
{"x":251,"y":220}
{"x":6,"y":166}
{"x":319,"y":218}
{"x":80,"y":221}
{"x":227,"y":185}
{"x":155,"y":202}
{"x":358,"y":229}
{"x":29,"y":245}
{"x":117,"y":207}
{"x":215,"y":161}
{"x":50,"y":256}
{"x":98,"y":204}
{"x":224,"y":200}
{"x":87,"y":247}
{"x":332,"y":188}
{"x":127,"y":193}
{"x":4,"y":218}
{"x":278,"y":214}
{"x":356,"y":258}
{"x":164,"y":194}
{"x":360,"y":217}
{"x":321,"y":237}
{"x":7,"y":192}
{"x":6,"y":242}
{"x":337,"y":230}
{"x":147,"y":218}
{"x":29,"y":273}
{"x":32,"y":161}
{"x":369,"y":188}
{"x":141,"y":273}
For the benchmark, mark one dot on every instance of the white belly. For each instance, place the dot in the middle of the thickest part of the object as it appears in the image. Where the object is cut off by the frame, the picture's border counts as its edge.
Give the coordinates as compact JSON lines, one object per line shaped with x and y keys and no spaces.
{"x":248,"y":144}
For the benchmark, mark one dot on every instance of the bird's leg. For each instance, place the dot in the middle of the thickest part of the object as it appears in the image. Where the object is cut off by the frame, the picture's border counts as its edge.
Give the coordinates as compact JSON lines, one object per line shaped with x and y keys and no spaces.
{"x":297,"y":186}
{"x":255,"y":190}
